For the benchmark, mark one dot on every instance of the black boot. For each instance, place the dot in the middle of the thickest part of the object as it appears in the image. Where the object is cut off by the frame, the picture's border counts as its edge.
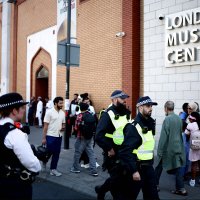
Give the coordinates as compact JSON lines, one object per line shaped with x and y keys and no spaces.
{"x":100,"y":193}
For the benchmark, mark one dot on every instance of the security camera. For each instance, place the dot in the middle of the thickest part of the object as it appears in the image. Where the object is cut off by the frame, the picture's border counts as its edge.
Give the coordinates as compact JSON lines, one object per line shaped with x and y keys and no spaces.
{"x":161,"y":17}
{"x":120,"y":34}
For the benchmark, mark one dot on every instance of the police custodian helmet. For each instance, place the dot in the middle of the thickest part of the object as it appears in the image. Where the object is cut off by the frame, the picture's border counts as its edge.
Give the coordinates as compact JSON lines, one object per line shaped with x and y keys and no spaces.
{"x":41,"y":153}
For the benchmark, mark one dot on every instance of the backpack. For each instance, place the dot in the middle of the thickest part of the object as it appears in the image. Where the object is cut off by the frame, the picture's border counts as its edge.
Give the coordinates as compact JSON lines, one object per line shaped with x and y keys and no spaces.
{"x":88,"y":125}
{"x":195,"y":141}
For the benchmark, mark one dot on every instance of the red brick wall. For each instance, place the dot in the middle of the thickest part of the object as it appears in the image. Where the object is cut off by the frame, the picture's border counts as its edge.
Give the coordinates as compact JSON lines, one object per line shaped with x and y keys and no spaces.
{"x":0,"y":35}
{"x":131,"y":51}
{"x":100,"y":70}
{"x":106,"y":62}
{"x":33,"y":16}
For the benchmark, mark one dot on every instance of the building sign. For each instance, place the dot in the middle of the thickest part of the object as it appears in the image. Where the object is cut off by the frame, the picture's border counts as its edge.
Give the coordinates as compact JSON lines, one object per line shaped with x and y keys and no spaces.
{"x":182,"y":38}
{"x":62,"y":20}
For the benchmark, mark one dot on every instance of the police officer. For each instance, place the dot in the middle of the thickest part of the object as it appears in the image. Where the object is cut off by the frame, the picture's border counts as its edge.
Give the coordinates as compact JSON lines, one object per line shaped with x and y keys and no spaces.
{"x":109,"y":135}
{"x":136,"y":151}
{"x":17,"y":161}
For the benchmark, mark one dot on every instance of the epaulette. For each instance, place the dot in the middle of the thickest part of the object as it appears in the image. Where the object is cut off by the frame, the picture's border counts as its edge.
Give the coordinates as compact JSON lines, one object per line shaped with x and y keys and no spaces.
{"x":4,"y":129}
{"x":133,"y":122}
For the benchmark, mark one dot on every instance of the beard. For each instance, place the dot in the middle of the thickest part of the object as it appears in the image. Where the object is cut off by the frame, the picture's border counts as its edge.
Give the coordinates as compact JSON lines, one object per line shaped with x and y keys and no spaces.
{"x":146,"y":114}
{"x":59,"y":107}
{"x":120,"y":107}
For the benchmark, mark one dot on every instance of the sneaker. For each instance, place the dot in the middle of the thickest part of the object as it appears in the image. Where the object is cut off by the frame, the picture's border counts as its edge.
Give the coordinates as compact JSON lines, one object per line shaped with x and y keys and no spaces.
{"x":86,"y":166}
{"x":192,"y":183}
{"x":82,"y":165}
{"x":94,"y":174}
{"x":54,"y":172}
{"x":181,"y":192}
{"x":74,"y":170}
{"x":97,"y":164}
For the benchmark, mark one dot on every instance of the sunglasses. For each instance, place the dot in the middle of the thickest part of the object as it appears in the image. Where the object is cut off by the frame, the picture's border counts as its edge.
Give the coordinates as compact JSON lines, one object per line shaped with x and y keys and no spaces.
{"x":189,"y":108}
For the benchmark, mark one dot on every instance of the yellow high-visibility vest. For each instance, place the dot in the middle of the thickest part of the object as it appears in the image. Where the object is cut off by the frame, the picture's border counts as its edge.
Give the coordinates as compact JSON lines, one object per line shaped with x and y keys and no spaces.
{"x":145,"y":151}
{"x":119,"y":124}
{"x":101,"y":112}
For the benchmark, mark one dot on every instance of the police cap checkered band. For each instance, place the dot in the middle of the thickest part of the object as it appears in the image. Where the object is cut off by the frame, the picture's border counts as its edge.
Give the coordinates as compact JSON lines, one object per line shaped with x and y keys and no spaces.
{"x":11,"y":100}
{"x":119,"y":94}
{"x":145,"y":101}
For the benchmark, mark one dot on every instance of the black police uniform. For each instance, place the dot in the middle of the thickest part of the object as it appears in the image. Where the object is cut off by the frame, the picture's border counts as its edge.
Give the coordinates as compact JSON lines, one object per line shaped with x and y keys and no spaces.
{"x":15,"y":179}
{"x":104,"y":126}
{"x":132,"y":140}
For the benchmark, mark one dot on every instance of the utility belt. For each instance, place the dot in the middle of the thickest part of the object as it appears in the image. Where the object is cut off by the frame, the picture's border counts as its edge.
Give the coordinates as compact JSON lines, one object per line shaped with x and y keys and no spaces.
{"x":141,"y":163}
{"x":17,"y":173}
{"x":108,"y":162}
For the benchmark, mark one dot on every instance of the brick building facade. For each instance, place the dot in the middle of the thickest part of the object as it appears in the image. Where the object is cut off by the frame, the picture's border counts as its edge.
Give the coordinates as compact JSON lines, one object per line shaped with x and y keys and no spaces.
{"x":134,"y":63}
{"x":106,"y":61}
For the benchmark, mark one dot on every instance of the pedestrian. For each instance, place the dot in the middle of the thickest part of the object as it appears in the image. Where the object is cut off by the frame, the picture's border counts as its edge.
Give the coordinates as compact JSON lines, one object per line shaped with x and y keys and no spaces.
{"x":84,"y":156}
{"x":192,"y":107}
{"x":193,"y":130}
{"x":184,"y":115}
{"x":109,"y":135}
{"x":54,"y":123}
{"x":136,"y":152}
{"x":83,"y":142}
{"x":31,"y":111}
{"x":49,"y":104}
{"x":39,"y":111}
{"x":72,"y":113}
{"x":18,"y":164}
{"x":170,"y":152}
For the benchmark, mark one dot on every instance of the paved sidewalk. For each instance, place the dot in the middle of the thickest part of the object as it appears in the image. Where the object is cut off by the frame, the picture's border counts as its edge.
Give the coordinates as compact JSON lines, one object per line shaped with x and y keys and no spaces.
{"x":85,"y":183}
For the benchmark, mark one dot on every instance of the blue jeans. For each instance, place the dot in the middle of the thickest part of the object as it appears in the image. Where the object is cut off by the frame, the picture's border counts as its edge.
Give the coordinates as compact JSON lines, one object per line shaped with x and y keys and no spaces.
{"x":185,"y":168}
{"x":177,"y":172}
{"x":81,"y":145}
{"x":179,"y":179}
{"x":54,"y":146}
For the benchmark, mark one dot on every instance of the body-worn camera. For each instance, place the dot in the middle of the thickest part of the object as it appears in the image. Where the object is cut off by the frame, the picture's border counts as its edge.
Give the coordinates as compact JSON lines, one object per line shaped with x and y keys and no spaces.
{"x":145,"y":129}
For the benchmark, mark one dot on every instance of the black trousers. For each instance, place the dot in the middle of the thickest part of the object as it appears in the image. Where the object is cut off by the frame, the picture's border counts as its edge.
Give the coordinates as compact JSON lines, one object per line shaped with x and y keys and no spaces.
{"x":121,"y":184}
{"x":158,"y":172}
{"x":84,"y":157}
{"x":15,"y":189}
{"x":148,"y":182}
{"x":31,"y":117}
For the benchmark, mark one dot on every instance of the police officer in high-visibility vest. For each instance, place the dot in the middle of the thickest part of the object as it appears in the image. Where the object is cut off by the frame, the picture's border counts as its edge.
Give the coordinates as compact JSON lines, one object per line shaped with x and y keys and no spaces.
{"x":136,"y":151}
{"x":109,"y":135}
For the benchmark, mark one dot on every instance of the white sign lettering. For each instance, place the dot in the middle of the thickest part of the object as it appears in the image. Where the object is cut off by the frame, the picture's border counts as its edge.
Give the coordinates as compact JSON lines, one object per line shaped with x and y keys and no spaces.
{"x":182,"y":38}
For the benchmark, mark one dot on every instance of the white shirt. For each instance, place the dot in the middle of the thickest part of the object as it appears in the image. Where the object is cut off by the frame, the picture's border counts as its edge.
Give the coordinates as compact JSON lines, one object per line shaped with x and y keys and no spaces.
{"x":73,"y":109}
{"x":49,"y":104}
{"x":39,"y":108}
{"x":18,"y":142}
{"x":55,"y":119}
{"x":91,"y":109}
